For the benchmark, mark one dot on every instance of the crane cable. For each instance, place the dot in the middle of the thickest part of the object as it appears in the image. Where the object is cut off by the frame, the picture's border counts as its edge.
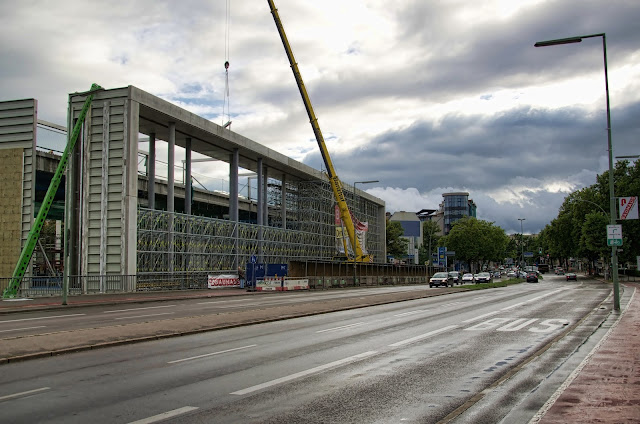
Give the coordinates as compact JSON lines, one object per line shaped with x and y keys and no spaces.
{"x":226,"y":105}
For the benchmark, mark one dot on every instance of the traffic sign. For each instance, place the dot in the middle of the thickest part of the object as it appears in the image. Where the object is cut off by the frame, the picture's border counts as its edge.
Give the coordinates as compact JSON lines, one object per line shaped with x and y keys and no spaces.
{"x":614,"y":235}
{"x":528,"y":254}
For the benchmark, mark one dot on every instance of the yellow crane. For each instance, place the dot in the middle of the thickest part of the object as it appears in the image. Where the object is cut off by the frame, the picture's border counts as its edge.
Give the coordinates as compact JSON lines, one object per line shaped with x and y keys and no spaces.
{"x":336,"y":185}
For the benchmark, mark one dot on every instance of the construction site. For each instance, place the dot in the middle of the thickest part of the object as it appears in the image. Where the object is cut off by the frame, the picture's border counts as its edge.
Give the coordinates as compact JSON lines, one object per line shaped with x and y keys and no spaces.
{"x":99,"y":218}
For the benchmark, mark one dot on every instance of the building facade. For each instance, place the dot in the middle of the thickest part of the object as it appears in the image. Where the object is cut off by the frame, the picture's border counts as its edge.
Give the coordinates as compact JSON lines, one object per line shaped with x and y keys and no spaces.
{"x":454,"y":207}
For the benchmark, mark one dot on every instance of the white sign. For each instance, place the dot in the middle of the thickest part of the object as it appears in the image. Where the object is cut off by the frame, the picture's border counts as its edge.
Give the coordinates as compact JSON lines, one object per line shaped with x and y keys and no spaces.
{"x":614,"y":235}
{"x":219,"y":281}
{"x":628,"y":207}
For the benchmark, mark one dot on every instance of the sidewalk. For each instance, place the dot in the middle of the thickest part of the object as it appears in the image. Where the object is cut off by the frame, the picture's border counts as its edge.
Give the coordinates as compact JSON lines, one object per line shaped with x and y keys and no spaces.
{"x":607,"y":388}
{"x":53,"y":302}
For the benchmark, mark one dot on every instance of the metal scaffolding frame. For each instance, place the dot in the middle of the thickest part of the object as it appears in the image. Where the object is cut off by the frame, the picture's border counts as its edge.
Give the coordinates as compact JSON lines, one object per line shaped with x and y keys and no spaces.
{"x":207,"y":244}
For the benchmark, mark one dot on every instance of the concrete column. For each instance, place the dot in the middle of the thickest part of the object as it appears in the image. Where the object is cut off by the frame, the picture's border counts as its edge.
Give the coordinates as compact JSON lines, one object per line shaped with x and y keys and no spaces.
{"x":171,"y":167}
{"x":260,"y":200}
{"x":260,"y":207}
{"x":283,"y":206}
{"x":265,"y":207}
{"x":234,"y":160}
{"x":187,"y":178}
{"x":233,"y":201}
{"x":151,"y":171}
{"x":170,"y":192}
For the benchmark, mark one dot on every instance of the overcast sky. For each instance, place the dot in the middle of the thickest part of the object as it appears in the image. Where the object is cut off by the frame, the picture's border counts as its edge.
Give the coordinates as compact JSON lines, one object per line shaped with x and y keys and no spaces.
{"x":425,"y":96}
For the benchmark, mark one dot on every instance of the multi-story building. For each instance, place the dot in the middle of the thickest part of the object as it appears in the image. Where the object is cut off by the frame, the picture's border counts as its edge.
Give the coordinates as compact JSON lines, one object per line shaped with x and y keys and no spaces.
{"x":456,"y":206}
{"x":412,"y":231}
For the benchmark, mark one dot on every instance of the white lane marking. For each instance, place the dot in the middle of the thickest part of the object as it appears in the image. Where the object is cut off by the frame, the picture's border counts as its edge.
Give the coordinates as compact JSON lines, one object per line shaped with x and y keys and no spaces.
{"x":422,"y":336}
{"x":211,"y":354}
{"x":479,"y":317}
{"x":411,"y":313}
{"x":27,"y":393}
{"x":138,"y":309}
{"x":145,"y":316}
{"x":25,"y":328}
{"x":341,"y":327}
{"x":49,"y":317}
{"x":221,"y":301}
{"x":165,"y":415}
{"x":451,"y":304}
{"x":513,"y":306}
{"x":305,"y":373}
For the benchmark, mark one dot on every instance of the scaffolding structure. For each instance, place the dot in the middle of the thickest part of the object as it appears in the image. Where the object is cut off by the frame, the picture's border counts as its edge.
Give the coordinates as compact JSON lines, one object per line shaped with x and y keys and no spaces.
{"x":173,"y":242}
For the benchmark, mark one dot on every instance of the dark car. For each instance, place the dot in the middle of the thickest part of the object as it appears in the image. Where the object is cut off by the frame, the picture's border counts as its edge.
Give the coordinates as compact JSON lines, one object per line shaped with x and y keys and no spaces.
{"x":441,"y":279}
{"x":571,"y":276}
{"x":532,"y":277}
{"x":456,"y":277}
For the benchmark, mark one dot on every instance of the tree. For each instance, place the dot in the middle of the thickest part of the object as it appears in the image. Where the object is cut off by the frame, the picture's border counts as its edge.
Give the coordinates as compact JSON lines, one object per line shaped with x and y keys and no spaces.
{"x":476,"y":241}
{"x":430,"y":239}
{"x":396,"y":245}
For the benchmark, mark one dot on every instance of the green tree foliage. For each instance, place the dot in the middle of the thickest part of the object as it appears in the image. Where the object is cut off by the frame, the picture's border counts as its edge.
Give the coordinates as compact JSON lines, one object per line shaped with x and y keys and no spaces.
{"x":476,"y":241}
{"x":396,"y":244}
{"x":579,"y":230}
{"x":430,"y":239}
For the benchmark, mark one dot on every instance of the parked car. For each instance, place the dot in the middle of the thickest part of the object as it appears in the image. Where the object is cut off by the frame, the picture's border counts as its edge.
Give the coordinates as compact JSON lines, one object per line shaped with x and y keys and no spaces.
{"x":441,"y":279}
{"x":512,"y":274}
{"x":559,"y":271}
{"x":456,"y":277}
{"x":532,"y":277}
{"x":483,"y":277}
{"x":468,"y":278}
{"x":571,"y":276}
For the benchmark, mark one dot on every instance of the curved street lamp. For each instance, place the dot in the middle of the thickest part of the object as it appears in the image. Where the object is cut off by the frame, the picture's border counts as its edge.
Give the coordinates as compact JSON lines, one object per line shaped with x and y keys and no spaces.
{"x":612,"y":198}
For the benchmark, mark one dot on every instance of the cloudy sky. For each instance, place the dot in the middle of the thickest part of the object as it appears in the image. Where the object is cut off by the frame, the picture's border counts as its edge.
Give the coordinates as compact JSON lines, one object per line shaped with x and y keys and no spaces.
{"x":425,"y":96}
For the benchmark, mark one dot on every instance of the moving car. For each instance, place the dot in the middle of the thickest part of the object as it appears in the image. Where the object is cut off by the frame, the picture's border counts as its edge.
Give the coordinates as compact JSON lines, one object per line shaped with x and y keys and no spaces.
{"x":511,"y":274}
{"x":559,"y":271}
{"x":532,"y":277}
{"x":441,"y":279}
{"x":456,"y":277}
{"x":571,"y":276}
{"x":468,"y":278}
{"x":483,"y":277}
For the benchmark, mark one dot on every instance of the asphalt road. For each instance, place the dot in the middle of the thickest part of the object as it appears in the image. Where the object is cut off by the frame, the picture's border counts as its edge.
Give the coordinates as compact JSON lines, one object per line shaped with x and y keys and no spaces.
{"x":476,"y":356}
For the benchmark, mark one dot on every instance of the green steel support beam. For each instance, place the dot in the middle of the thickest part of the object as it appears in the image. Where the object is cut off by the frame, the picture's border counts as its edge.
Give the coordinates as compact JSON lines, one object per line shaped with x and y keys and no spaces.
{"x":27,"y":251}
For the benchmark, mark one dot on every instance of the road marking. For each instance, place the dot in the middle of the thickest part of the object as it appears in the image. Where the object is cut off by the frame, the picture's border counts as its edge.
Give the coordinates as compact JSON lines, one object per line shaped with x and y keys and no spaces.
{"x":411,"y":313}
{"x":49,"y":317}
{"x":479,"y":317}
{"x":451,"y":304}
{"x":221,"y":301}
{"x":138,"y":309}
{"x":341,"y":327}
{"x":25,"y":328}
{"x":145,"y":316}
{"x":211,"y":354}
{"x":305,"y":373}
{"x":165,"y":415}
{"x":422,"y":336}
{"x":513,"y":306}
{"x":27,"y":393}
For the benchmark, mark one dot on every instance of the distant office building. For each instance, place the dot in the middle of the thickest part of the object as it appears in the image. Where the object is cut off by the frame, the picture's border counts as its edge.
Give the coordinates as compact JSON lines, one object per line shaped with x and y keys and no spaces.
{"x":456,"y":206}
{"x":412,"y":231}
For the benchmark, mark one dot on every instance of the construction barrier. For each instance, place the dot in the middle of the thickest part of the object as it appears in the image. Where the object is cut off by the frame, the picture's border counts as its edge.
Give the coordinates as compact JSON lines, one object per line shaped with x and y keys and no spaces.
{"x":282,"y":284}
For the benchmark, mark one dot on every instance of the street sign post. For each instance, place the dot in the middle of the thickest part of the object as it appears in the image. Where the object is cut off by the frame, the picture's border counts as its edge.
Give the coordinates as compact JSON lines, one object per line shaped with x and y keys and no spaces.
{"x":614,"y":235}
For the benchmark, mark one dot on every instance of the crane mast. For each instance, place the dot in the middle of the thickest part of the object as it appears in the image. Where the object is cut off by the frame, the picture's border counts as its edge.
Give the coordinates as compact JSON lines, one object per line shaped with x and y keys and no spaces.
{"x":336,"y":184}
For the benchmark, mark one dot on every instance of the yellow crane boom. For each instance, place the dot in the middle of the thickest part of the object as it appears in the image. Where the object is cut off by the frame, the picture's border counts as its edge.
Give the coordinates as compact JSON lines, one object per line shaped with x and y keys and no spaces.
{"x":336,"y":185}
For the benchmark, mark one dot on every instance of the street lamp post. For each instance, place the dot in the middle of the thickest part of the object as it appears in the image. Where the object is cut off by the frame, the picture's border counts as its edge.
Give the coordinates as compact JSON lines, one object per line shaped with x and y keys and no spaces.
{"x":612,"y":198}
{"x":522,"y":238}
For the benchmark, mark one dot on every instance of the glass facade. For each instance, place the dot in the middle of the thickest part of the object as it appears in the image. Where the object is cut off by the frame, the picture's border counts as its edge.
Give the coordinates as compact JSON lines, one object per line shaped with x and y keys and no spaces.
{"x":456,"y":206}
